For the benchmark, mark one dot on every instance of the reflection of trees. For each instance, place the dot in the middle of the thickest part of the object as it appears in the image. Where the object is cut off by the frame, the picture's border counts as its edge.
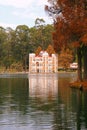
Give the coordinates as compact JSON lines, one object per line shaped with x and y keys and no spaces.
{"x":20,"y":94}
{"x":81,"y":110}
{"x":85,"y":108}
{"x":71,"y":109}
{"x":14,"y":94}
{"x":62,"y":113}
{"x":65,"y":109}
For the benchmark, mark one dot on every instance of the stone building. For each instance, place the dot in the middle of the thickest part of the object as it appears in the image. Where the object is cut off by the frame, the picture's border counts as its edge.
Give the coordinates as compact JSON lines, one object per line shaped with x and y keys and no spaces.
{"x":43,"y":63}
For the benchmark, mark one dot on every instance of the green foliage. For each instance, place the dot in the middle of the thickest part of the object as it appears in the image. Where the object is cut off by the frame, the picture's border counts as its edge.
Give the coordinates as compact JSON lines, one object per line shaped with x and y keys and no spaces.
{"x":15,"y":45}
{"x":17,"y":66}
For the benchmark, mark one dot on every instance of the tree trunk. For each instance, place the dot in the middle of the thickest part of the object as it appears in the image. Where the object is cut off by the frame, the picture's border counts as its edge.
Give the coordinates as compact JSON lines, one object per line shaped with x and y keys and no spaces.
{"x":79,"y":56}
{"x":85,"y":62}
{"x":25,"y":63}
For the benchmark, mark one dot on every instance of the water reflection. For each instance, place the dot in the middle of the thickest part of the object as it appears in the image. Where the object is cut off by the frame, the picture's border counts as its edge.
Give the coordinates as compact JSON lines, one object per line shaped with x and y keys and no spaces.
{"x":13,"y":103}
{"x":42,"y":103}
{"x":74,"y":108}
{"x":43,"y":87}
{"x":43,"y":93}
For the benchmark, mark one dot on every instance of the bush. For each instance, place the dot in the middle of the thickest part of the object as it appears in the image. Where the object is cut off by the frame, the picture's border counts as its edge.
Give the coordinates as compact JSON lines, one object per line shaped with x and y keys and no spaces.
{"x":17,"y":66}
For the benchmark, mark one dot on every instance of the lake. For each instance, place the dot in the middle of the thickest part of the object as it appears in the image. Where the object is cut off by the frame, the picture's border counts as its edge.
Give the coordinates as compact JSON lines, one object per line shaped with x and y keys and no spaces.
{"x":41,"y":102}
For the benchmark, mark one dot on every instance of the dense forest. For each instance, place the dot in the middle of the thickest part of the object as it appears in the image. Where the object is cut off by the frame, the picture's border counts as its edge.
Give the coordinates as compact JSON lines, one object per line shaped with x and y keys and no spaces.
{"x":15,"y":45}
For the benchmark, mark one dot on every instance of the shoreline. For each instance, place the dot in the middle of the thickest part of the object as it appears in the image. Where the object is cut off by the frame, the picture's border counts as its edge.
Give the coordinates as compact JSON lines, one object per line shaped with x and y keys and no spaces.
{"x":14,"y":75}
{"x":27,"y":74}
{"x":74,"y":84}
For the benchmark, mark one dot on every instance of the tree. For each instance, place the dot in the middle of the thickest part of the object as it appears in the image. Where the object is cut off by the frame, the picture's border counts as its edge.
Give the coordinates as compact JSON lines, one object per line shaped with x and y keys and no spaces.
{"x":39,"y":24}
{"x":15,"y":45}
{"x":65,"y":58}
{"x":50,"y":50}
{"x":47,"y":34}
{"x":70,"y":26}
{"x":21,"y":45}
{"x":41,"y":34}
{"x":7,"y":48}
{"x":38,"y":51}
{"x":3,"y":38}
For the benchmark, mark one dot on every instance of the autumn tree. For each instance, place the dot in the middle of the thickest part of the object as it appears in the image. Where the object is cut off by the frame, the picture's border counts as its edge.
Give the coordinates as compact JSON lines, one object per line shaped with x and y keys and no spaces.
{"x":70,"y":23}
{"x":38,"y":50}
{"x":50,"y":50}
{"x":65,"y":58}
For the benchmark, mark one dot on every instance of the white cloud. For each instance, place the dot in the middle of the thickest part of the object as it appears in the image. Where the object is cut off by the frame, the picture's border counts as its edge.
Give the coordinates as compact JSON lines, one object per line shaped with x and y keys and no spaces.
{"x":8,"y":25}
{"x":24,"y":12}
{"x":25,"y":15}
{"x":41,"y":2}
{"x":31,"y":12}
{"x":23,"y":3}
{"x":17,"y":3}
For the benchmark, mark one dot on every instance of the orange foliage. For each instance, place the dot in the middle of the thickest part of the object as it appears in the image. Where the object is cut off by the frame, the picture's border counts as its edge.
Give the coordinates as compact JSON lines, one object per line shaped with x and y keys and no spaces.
{"x":38,"y":50}
{"x":84,"y":39}
{"x":50,"y":50}
{"x":60,"y":35}
{"x":65,"y":57}
{"x":76,"y":44}
{"x":72,"y":24}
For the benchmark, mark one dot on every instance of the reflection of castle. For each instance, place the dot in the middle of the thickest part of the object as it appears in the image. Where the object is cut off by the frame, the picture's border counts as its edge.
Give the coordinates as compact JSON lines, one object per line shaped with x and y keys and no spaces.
{"x":43,"y":86}
{"x":43,"y":63}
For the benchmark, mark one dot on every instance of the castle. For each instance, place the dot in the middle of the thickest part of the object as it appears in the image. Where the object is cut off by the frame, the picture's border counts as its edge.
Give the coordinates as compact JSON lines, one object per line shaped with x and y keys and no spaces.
{"x":43,"y":63}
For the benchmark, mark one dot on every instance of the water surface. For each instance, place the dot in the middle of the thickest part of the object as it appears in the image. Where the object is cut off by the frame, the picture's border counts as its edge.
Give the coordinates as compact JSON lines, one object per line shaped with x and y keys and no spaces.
{"x":41,"y":103}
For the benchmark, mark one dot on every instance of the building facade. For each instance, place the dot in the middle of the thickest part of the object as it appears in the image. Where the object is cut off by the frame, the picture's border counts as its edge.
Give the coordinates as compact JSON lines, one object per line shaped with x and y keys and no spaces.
{"x":43,"y":63}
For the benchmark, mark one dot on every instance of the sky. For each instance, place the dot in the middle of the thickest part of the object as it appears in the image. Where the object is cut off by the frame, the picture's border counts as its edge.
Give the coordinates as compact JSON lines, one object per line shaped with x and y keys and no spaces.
{"x":22,"y":12}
